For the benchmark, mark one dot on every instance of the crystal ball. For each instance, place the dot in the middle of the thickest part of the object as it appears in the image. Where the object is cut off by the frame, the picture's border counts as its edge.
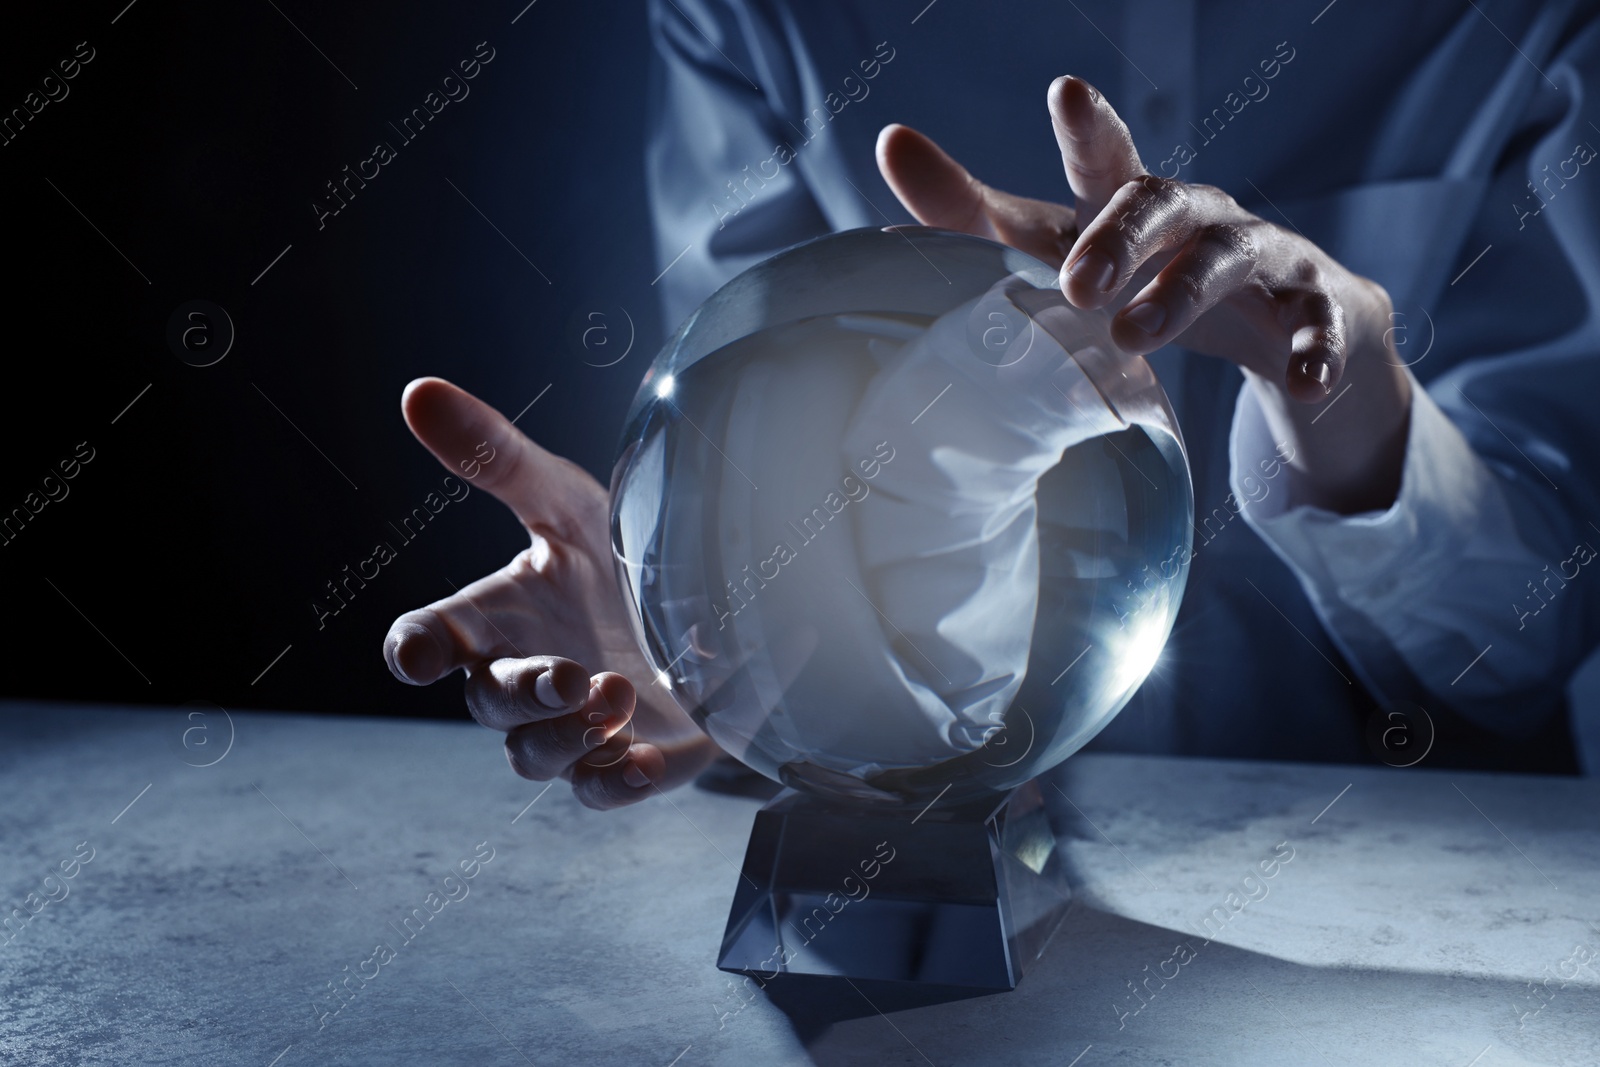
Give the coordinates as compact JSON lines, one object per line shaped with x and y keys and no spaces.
{"x":896,"y":522}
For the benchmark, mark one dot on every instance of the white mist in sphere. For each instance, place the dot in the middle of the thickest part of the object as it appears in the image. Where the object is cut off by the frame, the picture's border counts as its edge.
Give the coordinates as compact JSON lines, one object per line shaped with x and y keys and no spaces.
{"x":894,"y":517}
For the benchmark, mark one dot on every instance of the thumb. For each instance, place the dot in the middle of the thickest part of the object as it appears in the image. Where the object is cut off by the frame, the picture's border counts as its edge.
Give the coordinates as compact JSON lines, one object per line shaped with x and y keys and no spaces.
{"x":940,"y":192}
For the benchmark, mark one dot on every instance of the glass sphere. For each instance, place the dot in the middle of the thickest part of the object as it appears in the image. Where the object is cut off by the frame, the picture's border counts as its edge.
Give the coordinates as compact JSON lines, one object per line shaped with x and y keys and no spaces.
{"x":897,"y":522}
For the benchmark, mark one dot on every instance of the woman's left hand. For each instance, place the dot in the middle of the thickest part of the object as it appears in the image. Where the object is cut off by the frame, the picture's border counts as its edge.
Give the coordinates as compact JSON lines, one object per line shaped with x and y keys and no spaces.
{"x":1183,"y":263}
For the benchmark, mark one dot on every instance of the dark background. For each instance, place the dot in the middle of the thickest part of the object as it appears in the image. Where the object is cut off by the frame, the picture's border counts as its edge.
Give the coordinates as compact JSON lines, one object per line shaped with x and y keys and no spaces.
{"x":188,"y":552}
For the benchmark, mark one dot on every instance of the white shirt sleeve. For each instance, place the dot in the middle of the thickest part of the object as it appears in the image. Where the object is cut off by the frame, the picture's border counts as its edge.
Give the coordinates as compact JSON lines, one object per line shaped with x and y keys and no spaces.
{"x":1443,"y":580}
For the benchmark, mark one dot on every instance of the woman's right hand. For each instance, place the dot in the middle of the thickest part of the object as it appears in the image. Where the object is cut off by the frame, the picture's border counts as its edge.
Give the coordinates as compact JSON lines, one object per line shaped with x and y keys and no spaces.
{"x":549,"y":652}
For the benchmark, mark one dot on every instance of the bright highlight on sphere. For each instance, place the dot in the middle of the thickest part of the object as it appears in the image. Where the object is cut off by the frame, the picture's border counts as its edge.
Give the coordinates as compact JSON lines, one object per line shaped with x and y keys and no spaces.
{"x":895,"y":521}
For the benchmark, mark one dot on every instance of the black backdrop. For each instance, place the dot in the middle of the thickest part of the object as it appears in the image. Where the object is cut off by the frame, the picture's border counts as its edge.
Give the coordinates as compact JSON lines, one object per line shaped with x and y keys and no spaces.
{"x":181,"y":163}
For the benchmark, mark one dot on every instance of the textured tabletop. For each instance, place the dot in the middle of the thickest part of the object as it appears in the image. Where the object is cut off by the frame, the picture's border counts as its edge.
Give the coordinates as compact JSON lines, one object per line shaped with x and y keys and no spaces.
{"x":162,"y":911}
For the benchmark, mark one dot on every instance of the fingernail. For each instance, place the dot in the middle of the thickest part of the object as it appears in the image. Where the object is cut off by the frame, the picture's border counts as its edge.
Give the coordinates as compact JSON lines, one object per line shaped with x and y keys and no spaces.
{"x":1317,"y":371}
{"x":1148,"y":316}
{"x":635,"y":777}
{"x":1094,"y":268}
{"x":544,"y":691}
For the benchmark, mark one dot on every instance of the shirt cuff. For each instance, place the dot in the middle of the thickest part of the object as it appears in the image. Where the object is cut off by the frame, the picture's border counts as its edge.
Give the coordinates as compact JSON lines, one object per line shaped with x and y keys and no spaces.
{"x":1376,"y":560}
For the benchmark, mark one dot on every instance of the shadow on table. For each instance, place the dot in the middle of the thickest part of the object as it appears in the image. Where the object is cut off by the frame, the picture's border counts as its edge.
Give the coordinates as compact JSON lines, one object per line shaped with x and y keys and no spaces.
{"x":1117,"y":983}
{"x":814,"y":1003}
{"x":1225,"y":1005}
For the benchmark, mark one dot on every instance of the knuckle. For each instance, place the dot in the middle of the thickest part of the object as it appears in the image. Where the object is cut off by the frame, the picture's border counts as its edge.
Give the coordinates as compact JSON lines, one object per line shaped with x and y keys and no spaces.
{"x":1153,"y":188}
{"x":1211,"y":194}
{"x":596,"y":790}
{"x":1174,"y":193}
{"x":1187,"y":286}
{"x":1232,"y":239}
{"x":1145,"y":185}
{"x":538,"y":752}
{"x":1320,"y":303}
{"x":1144,"y":206}
{"x":518,"y":757}
{"x":483,"y":697}
{"x":1167,"y":194}
{"x":1307,"y":274}
{"x":1336,"y":325}
{"x":1128,"y":196}
{"x":592,"y":798}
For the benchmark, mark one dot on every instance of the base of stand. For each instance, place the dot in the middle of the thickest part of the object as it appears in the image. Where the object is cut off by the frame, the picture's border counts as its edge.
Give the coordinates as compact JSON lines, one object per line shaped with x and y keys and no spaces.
{"x":956,"y":897}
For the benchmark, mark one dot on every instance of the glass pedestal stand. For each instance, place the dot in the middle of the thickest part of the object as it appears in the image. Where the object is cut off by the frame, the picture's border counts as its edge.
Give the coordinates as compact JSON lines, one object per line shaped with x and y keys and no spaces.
{"x":953,"y":896}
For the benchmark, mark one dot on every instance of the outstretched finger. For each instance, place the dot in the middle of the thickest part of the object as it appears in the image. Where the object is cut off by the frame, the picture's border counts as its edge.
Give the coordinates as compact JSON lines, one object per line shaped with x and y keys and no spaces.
{"x":940,"y":192}
{"x":1096,"y":148}
{"x":481,"y":445}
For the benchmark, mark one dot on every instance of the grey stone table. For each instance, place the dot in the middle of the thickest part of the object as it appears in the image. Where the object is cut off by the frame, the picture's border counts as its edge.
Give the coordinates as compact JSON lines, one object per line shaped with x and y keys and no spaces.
{"x":184,"y":913}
